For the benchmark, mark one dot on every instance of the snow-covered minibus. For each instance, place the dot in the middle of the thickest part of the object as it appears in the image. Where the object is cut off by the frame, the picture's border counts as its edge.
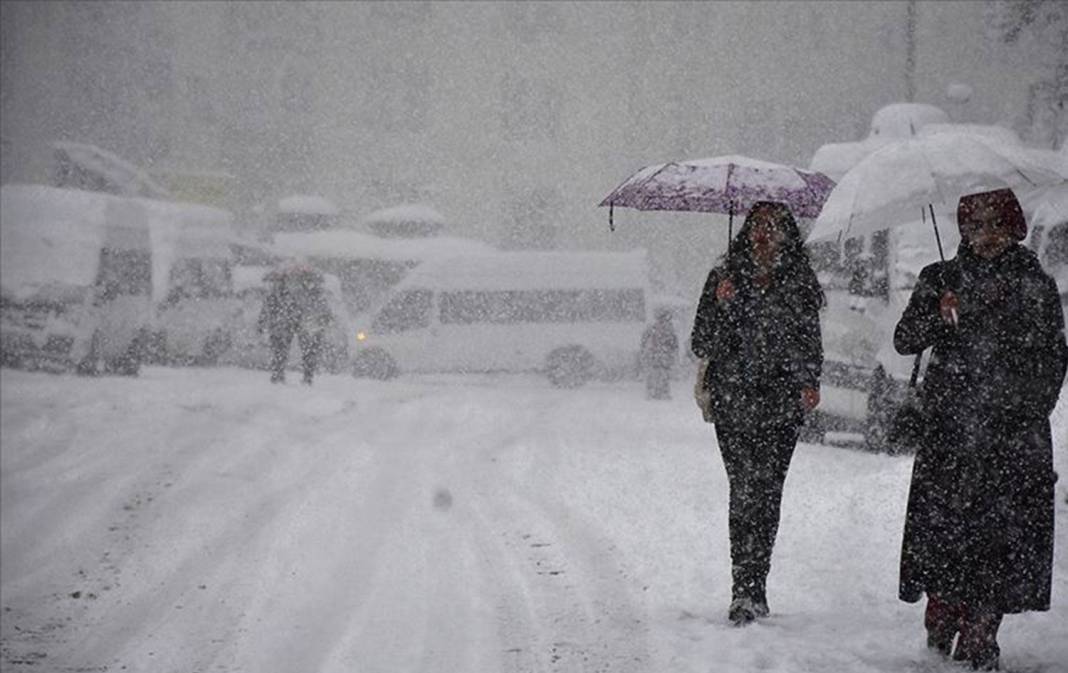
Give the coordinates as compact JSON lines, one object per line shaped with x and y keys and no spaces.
{"x":573,"y":316}
{"x":75,"y":279}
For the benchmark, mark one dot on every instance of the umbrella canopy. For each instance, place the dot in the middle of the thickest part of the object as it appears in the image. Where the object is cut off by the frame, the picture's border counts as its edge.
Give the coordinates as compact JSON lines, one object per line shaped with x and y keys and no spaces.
{"x":888,"y":187}
{"x":727,"y":184}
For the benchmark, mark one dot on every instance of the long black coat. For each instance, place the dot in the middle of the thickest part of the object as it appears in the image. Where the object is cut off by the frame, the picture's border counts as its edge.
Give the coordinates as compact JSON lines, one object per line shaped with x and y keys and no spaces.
{"x":979,"y":525}
{"x":763,"y":347}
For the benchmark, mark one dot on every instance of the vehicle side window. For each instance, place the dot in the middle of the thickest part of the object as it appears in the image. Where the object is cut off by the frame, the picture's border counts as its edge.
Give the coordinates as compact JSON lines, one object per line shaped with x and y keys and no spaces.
{"x":124,"y":272}
{"x":199,"y":279}
{"x":531,"y":306}
{"x":408,"y":310}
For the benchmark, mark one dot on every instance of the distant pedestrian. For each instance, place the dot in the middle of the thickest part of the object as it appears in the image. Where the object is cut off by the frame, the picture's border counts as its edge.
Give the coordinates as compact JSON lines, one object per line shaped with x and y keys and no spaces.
{"x":295,"y":305}
{"x":758,"y":327}
{"x":978,"y":536}
{"x":659,"y":353}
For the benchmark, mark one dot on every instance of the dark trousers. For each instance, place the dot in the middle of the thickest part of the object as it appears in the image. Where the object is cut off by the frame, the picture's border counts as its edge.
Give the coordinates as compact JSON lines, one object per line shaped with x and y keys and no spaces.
{"x":310,"y":345}
{"x":757,"y":457}
{"x":280,"y":340}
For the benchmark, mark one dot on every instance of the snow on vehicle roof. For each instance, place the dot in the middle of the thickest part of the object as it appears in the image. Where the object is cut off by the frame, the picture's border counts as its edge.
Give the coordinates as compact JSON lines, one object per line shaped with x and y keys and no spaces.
{"x":132,"y":180}
{"x":407,"y":212}
{"x":894,"y":121}
{"x":533,"y":270}
{"x":904,"y":120}
{"x":998,"y":134}
{"x":41,"y":225}
{"x":307,"y":204}
{"x":357,"y":245}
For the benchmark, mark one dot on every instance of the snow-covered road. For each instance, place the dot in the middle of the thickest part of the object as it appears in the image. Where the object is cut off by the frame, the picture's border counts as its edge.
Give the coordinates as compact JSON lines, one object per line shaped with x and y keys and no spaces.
{"x":203,"y":520}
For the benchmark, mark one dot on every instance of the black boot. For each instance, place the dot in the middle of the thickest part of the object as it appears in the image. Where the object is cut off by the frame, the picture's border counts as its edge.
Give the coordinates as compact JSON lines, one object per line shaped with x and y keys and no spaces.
{"x":760,"y":597}
{"x":743,"y":609}
{"x":941,"y":619}
{"x":978,"y":643}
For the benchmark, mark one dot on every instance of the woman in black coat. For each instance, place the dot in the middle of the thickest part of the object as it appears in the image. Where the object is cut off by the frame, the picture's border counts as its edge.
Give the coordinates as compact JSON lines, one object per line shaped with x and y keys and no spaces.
{"x":758,"y":325}
{"x":978,"y":534}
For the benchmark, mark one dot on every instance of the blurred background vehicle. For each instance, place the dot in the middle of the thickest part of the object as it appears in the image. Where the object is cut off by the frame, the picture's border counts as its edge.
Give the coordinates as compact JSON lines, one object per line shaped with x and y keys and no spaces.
{"x":574,"y":316}
{"x":75,"y":279}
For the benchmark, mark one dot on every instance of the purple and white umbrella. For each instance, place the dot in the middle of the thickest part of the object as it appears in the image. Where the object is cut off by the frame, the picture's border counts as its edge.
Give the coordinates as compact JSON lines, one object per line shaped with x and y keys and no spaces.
{"x":727,"y":184}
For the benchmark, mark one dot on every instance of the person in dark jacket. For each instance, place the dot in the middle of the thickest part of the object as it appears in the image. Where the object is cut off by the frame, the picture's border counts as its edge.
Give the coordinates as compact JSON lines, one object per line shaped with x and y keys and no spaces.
{"x":978,"y":536}
{"x":659,"y":353}
{"x":295,"y":305}
{"x":758,"y":327}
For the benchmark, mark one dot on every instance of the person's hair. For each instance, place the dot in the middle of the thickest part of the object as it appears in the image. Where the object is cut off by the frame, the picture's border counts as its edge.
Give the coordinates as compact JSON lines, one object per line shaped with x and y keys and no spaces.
{"x":794,"y":267}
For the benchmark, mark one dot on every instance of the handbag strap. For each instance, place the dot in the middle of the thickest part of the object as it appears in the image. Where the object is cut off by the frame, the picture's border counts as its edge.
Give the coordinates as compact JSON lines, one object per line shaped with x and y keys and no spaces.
{"x":915,"y":370}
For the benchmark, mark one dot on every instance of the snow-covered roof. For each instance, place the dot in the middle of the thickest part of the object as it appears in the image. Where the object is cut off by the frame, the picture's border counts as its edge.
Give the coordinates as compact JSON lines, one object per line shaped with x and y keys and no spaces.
{"x":307,"y":204}
{"x":356,"y":245}
{"x":904,"y":120}
{"x":532,"y":270}
{"x":407,"y":212}
{"x":127,"y":177}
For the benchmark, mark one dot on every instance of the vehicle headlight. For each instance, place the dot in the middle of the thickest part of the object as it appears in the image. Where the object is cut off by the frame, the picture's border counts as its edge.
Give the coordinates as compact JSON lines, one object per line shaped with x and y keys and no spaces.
{"x":361,"y":336}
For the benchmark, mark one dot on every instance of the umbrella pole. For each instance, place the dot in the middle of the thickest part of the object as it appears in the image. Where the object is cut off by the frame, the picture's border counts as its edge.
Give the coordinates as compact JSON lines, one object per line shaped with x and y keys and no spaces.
{"x":938,"y":239}
{"x":730,"y":229}
{"x":611,"y":224}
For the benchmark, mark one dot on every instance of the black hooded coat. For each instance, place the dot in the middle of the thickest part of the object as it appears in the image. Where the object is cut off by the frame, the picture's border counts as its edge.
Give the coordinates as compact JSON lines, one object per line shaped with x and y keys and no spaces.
{"x":763,"y":345}
{"x":979,"y":525}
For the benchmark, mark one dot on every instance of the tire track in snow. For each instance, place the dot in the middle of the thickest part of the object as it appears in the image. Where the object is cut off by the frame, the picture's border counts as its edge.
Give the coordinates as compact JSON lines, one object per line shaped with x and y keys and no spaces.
{"x":564,"y":577}
{"x":186,"y":578}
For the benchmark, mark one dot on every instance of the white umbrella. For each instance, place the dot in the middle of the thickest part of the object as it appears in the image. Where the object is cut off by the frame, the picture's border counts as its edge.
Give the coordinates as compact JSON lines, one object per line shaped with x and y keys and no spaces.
{"x":888,"y":187}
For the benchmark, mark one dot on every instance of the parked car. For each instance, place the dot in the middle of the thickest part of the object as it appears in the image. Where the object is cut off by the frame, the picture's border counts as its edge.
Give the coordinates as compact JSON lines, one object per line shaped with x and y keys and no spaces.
{"x":864,"y":379}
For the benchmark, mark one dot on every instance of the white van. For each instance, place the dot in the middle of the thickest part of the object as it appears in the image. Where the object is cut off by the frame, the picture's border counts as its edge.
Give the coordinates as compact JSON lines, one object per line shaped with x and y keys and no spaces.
{"x":571,"y":315}
{"x":195,"y":319}
{"x":75,"y":279}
